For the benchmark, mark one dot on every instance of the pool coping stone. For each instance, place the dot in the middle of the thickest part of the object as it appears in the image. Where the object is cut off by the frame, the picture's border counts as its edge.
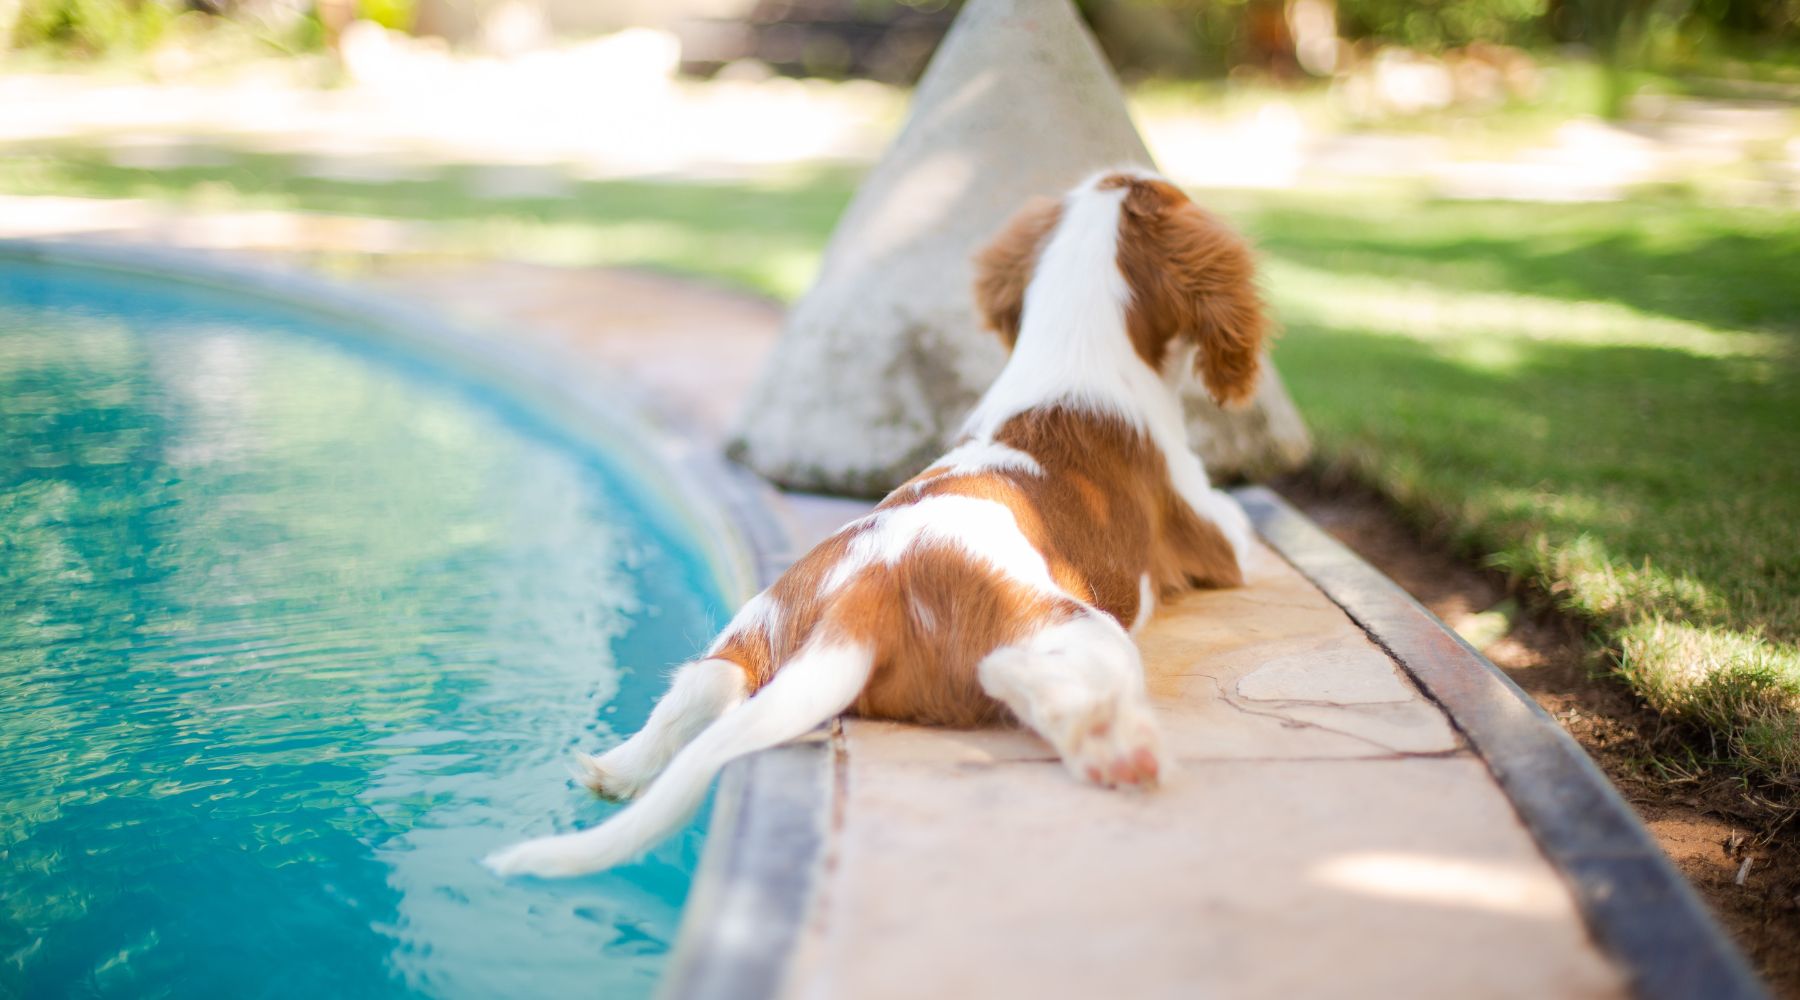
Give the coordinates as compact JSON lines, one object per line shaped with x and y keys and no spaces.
{"x":1635,"y":902}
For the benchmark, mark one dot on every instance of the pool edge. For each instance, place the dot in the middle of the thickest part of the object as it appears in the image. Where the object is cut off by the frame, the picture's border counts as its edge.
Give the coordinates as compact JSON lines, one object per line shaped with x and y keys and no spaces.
{"x":1635,"y":903}
{"x":770,"y":817}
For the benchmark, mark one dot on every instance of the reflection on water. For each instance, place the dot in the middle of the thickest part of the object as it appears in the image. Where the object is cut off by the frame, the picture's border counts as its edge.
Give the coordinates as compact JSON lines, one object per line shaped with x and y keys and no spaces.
{"x":289,"y":636}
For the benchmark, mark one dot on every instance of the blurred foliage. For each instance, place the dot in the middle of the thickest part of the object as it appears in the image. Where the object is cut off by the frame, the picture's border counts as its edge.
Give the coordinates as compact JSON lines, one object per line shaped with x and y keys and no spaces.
{"x":1706,"y":36}
{"x":1229,"y":33}
{"x":1210,"y":37}
{"x":97,"y":28}
{"x":1439,"y":24}
{"x":395,"y":14}
{"x":1222,"y":27}
{"x":1603,"y":25}
{"x":92,"y":27}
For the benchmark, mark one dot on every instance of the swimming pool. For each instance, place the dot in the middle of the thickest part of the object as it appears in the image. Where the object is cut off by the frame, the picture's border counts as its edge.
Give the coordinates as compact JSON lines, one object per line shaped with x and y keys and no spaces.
{"x":294,"y":627}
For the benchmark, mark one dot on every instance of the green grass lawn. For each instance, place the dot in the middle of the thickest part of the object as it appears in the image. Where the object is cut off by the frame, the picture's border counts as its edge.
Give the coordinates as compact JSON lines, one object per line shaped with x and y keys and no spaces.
{"x":763,"y":235}
{"x":1598,"y":399}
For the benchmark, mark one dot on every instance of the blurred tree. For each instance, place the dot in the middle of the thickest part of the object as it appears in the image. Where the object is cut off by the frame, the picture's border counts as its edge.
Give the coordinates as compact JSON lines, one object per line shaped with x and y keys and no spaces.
{"x":1145,"y":39}
{"x":1286,"y":38}
{"x":1268,"y":34}
{"x":1613,"y":29}
{"x":1679,"y":35}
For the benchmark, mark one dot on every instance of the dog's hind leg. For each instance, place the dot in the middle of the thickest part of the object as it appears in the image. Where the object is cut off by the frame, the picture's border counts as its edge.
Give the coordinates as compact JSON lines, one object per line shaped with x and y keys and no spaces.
{"x":821,"y":681}
{"x":698,"y":694}
{"x":1080,"y":685}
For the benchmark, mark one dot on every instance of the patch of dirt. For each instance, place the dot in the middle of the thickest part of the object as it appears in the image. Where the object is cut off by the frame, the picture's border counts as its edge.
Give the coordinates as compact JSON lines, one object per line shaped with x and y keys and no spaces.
{"x":1705,"y":820}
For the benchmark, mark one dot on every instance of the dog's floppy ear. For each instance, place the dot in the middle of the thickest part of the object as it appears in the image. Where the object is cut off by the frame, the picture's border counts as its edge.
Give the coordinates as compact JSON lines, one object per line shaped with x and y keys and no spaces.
{"x":1003,"y":269}
{"x":1216,"y":273}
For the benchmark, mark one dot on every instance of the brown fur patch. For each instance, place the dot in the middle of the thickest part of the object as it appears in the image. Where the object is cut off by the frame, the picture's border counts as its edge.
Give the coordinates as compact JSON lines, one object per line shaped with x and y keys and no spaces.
{"x":1105,"y":510}
{"x":1003,"y":269}
{"x":752,"y":649}
{"x":1190,"y":276}
{"x":797,"y":610}
{"x":933,"y":616}
{"x":930,"y":618}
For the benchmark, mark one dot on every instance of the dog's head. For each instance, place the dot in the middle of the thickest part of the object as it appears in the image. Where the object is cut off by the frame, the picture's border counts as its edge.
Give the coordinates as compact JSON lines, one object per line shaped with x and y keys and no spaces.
{"x":1190,"y":278}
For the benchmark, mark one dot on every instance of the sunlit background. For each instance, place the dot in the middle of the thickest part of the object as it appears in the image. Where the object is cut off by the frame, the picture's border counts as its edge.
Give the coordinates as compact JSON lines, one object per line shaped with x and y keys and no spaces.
{"x":1535,"y":259}
{"x":464,"y":115}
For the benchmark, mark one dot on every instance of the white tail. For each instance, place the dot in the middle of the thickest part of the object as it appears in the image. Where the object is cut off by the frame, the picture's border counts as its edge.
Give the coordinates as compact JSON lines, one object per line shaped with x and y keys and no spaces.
{"x":817,"y":684}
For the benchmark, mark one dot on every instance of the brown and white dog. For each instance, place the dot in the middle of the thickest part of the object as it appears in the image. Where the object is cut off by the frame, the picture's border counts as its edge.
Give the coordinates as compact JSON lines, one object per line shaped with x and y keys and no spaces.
{"x":1005,"y":580}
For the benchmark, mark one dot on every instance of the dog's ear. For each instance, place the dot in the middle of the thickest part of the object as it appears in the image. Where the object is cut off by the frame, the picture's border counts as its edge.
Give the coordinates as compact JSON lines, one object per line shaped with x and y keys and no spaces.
{"x":1216,"y":274}
{"x":1003,"y":268}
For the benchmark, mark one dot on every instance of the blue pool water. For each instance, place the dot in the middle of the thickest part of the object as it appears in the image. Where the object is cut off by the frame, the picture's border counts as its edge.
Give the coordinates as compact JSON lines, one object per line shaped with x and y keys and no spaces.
{"x":292,"y":631}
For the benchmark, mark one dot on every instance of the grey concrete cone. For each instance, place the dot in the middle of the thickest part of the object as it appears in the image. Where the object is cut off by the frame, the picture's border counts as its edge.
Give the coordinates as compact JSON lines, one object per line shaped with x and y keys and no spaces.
{"x":880,"y":361}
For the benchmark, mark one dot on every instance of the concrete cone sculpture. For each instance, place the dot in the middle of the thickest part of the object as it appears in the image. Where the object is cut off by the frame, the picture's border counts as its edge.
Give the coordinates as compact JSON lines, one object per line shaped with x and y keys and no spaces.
{"x":879,"y":362}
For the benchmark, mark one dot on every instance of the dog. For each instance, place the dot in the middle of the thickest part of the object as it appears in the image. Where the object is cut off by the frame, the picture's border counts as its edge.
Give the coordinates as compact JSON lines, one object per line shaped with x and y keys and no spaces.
{"x":1006,"y":580}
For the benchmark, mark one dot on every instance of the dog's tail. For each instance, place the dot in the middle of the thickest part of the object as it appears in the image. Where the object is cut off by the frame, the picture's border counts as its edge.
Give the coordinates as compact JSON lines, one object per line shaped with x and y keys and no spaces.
{"x":817,"y":684}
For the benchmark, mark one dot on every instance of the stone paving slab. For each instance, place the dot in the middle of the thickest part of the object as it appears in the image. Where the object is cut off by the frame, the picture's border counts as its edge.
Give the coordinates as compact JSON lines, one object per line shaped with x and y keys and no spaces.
{"x":1268,"y":878}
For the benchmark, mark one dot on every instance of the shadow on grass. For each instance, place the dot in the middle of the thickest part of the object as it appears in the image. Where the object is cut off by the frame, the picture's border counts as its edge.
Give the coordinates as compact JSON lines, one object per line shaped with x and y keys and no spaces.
{"x":1731,"y":268}
{"x":1629,"y":479}
{"x":804,"y":203}
{"x":762,"y":235}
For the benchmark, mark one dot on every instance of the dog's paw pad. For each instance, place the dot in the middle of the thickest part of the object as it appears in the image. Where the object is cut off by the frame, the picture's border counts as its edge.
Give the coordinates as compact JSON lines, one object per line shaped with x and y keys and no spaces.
{"x":1121,"y":751}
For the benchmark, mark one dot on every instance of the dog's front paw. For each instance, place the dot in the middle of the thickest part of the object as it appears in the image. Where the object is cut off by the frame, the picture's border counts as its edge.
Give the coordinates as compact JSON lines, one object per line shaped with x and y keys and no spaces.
{"x":609,"y":775}
{"x":1119,"y":746}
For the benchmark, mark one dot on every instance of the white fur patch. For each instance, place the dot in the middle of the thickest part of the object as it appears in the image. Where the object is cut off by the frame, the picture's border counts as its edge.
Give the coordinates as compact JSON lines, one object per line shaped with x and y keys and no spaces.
{"x":982,"y":529}
{"x":760,"y":611}
{"x":1072,"y":345}
{"x":923,"y":615}
{"x":977,"y":456}
{"x":1146,"y":604}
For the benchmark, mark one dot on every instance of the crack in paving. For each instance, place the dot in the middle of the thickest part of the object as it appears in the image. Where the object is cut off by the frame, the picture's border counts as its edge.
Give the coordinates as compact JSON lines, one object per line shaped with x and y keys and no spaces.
{"x":1227,"y":699}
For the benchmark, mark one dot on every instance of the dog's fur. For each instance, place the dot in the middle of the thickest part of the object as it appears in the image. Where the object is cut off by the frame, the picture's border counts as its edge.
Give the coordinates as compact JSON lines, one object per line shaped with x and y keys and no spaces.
{"x":1003,"y":581}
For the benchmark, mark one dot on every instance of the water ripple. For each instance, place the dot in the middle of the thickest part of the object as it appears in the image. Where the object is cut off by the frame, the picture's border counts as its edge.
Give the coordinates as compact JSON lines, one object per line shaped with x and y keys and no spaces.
{"x":290,"y":634}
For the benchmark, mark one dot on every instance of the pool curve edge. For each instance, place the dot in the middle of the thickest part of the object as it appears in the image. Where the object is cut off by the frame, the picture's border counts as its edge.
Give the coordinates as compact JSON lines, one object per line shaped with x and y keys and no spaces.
{"x":755,"y":880}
